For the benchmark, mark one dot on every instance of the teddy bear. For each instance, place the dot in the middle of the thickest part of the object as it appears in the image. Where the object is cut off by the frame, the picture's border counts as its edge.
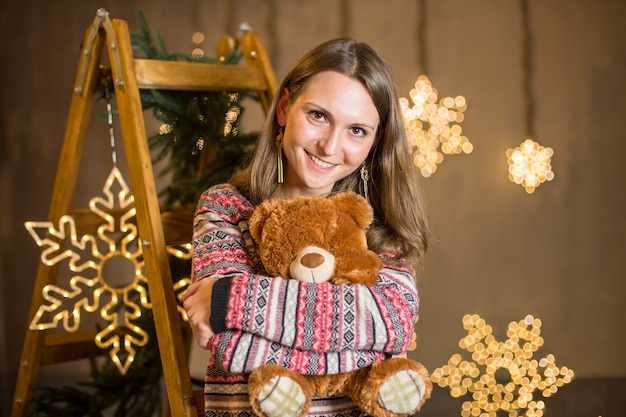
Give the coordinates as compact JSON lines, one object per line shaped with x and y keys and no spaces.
{"x":319,"y":239}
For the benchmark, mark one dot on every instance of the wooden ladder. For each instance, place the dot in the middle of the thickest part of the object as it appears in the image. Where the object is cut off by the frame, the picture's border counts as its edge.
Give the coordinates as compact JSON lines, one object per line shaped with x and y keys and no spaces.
{"x":129,"y":76}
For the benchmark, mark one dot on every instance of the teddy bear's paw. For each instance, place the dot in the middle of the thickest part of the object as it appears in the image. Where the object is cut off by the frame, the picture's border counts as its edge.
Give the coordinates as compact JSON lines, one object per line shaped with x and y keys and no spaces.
{"x":402,"y":392}
{"x":281,"y":397}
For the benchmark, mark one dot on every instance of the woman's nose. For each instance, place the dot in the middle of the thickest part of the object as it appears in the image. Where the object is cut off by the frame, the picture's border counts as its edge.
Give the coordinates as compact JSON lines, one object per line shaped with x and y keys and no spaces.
{"x":331,"y":142}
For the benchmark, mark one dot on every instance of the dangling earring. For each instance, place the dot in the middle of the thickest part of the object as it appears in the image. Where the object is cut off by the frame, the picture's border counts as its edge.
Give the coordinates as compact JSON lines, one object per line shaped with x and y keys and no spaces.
{"x":365,"y":176}
{"x":279,"y":144}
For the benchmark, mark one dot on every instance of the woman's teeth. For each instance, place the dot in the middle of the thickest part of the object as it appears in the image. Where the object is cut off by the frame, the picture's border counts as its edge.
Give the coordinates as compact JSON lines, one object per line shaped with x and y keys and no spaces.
{"x":319,"y":162}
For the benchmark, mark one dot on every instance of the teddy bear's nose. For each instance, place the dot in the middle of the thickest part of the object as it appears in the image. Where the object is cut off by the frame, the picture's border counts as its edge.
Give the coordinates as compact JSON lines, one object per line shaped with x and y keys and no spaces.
{"x":312,"y":260}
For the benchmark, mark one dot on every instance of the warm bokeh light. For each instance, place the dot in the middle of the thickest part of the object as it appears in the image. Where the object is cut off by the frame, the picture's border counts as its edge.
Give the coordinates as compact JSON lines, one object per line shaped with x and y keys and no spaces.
{"x":231,"y":117}
{"x":529,"y":165}
{"x":197,"y":38}
{"x":502,"y":377}
{"x":433,"y":126}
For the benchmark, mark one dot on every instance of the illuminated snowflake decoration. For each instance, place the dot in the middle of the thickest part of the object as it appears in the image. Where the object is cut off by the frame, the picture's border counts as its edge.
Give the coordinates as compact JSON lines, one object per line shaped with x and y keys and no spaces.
{"x":529,"y":165}
{"x":502,"y":376}
{"x":89,"y":257}
{"x":433,"y":127}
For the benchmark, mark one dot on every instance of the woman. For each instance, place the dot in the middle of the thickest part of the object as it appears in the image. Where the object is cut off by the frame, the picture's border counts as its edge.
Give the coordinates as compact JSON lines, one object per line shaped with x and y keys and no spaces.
{"x":335,"y":125}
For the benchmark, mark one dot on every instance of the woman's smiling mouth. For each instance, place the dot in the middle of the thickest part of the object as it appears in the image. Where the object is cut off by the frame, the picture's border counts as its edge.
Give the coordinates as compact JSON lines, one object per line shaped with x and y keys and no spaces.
{"x":319,"y":162}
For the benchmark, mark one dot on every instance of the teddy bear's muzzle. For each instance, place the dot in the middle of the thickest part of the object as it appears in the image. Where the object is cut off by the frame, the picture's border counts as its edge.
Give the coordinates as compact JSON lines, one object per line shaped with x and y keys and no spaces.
{"x":313,"y":264}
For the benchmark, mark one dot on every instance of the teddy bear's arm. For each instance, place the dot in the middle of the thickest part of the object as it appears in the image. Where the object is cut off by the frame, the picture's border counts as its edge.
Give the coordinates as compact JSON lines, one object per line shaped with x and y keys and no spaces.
{"x":355,"y":263}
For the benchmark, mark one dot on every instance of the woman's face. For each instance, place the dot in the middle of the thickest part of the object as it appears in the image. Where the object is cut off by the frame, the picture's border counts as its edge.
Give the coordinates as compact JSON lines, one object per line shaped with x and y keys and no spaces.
{"x":328,"y":132}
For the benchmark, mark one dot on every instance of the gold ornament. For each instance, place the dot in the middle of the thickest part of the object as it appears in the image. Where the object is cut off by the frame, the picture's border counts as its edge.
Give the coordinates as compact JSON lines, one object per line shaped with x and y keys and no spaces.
{"x":116,"y":240}
{"x":503,"y":377}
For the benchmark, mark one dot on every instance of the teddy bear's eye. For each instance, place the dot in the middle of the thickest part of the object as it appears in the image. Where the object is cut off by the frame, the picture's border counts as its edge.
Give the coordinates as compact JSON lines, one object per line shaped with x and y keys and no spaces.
{"x":331,"y":249}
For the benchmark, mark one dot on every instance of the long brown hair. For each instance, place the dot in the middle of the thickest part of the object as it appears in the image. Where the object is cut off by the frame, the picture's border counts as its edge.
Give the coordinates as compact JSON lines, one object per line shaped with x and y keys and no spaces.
{"x":400,"y":225}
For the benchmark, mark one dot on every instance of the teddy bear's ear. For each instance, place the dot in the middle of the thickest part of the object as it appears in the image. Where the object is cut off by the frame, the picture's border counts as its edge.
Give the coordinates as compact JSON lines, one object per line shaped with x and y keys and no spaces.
{"x":356,"y":206}
{"x":259,"y":217}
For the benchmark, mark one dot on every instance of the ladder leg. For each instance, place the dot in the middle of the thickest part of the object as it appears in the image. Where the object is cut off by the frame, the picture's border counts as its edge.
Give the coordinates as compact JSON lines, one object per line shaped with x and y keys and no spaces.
{"x":63,"y":193}
{"x":166,"y":317}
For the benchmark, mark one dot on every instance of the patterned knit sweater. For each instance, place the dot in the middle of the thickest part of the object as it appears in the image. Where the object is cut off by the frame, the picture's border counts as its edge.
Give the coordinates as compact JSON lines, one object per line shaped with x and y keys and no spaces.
{"x":309,"y":328}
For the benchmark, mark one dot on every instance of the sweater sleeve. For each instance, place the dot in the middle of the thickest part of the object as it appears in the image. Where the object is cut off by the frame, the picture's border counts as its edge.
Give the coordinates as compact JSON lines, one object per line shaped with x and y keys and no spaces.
{"x":271,"y":317}
{"x":326,"y":317}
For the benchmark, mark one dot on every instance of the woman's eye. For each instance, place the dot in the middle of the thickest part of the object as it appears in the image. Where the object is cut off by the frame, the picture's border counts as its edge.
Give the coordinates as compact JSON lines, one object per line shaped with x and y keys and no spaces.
{"x":357,"y":131}
{"x":316,"y":115}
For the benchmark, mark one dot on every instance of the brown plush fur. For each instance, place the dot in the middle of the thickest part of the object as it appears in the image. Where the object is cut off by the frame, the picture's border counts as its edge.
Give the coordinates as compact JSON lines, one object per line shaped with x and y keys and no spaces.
{"x":282,"y":228}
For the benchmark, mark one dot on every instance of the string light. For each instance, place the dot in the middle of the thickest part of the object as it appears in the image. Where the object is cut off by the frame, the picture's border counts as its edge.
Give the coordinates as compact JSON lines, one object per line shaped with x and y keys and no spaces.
{"x":231,"y":117}
{"x":119,"y":238}
{"x":502,"y":376}
{"x":197,"y":38}
{"x":529,"y":163}
{"x":433,"y":127}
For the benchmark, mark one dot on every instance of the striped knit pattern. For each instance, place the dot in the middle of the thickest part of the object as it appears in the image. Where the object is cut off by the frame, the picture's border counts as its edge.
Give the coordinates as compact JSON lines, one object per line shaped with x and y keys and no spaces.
{"x":226,"y":395}
{"x":309,"y":328}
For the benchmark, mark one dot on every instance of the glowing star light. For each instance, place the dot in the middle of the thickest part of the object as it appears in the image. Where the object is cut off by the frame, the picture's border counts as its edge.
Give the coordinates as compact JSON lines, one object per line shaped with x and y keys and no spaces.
{"x":432,"y":126}
{"x":503,"y":377}
{"x":529,"y":165}
{"x":89,"y":258}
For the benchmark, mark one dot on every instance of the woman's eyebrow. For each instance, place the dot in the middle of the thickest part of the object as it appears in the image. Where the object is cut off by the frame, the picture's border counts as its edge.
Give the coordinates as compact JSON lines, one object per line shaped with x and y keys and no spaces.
{"x":325,"y":111}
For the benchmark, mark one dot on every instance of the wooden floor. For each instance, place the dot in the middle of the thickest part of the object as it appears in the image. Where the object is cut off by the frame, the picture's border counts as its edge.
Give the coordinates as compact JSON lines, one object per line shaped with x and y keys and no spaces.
{"x":602,"y":397}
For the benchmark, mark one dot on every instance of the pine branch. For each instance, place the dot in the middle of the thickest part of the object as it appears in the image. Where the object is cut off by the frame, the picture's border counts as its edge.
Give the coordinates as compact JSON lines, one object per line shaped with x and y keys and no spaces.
{"x":195,"y":124}
{"x":136,"y":394}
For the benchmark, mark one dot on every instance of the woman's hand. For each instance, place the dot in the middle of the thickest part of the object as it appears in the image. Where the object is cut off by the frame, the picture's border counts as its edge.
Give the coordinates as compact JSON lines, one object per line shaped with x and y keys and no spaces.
{"x":197,"y":303}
